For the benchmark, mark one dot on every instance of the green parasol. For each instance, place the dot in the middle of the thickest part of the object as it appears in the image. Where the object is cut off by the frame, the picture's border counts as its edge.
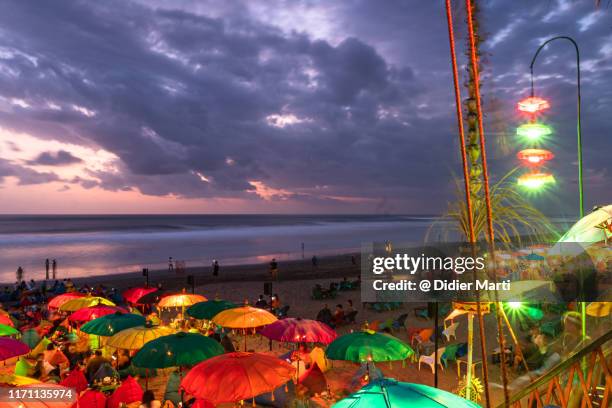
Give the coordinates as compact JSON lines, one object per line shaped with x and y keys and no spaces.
{"x":112,"y":323}
{"x":367,"y":346}
{"x":6,"y":330}
{"x":390,"y":393}
{"x":207,"y":310}
{"x":180,"y":349}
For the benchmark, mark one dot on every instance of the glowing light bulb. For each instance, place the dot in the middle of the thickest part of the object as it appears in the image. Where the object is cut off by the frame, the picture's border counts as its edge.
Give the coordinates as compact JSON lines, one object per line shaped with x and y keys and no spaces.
{"x":534,"y":157}
{"x":535,"y":181}
{"x":533,"y":104}
{"x":533,"y":132}
{"x":515,"y":305}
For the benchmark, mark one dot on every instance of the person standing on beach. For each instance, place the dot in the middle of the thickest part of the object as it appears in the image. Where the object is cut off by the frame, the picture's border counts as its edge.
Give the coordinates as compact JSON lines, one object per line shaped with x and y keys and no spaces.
{"x":274,"y":269}
{"x":54,"y":268}
{"x":215,"y":267}
{"x":170,"y":265}
{"x":47,"y":269}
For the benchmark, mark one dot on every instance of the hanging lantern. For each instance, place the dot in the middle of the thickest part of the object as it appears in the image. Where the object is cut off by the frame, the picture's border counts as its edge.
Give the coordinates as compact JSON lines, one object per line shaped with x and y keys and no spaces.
{"x":535,"y":181}
{"x":533,"y":131}
{"x":534,"y":157}
{"x":533,"y":104}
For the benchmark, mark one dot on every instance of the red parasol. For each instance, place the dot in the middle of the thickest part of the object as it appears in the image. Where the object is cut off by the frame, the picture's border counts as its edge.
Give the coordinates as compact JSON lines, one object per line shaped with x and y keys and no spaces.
{"x":236,"y":376}
{"x":4,"y":319}
{"x":75,"y":379}
{"x":90,"y":399}
{"x":200,"y":403}
{"x":93,"y":312}
{"x":313,"y":379}
{"x":298,"y":330}
{"x":12,"y":348}
{"x":129,"y":391}
{"x":132,"y":295}
{"x":59,"y":300}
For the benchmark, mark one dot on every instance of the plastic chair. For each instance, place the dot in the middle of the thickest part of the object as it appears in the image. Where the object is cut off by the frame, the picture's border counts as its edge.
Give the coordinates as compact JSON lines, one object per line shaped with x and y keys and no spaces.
{"x":422,"y":337}
{"x":450,"y":331}
{"x":430,"y":361}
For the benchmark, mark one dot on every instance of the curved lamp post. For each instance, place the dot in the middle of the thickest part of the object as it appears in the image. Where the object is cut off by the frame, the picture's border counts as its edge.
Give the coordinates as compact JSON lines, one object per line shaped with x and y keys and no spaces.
{"x":578,"y":132}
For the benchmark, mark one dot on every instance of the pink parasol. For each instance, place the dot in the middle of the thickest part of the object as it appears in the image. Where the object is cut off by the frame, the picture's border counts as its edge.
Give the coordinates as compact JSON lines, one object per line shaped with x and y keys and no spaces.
{"x":132,"y":295}
{"x":93,"y":312}
{"x":12,"y":348}
{"x":298,"y":330}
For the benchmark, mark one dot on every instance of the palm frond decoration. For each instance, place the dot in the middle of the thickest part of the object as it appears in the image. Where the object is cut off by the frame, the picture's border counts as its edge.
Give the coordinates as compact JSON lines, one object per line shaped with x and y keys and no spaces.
{"x":515,"y":219}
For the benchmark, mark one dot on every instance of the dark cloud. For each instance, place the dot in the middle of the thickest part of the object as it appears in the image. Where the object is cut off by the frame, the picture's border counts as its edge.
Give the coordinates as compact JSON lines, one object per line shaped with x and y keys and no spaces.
{"x":24,"y":175}
{"x":58,"y":158}
{"x":198,"y":99}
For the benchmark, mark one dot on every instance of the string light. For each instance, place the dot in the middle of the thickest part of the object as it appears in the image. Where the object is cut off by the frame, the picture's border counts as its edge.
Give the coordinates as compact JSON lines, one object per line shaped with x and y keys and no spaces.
{"x":535,"y":181}
{"x":533,"y":104}
{"x":533,"y":131}
{"x":534,"y":157}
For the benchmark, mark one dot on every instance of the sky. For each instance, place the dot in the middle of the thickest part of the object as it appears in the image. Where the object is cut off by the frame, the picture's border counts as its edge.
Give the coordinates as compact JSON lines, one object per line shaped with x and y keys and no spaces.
{"x":283,"y":106}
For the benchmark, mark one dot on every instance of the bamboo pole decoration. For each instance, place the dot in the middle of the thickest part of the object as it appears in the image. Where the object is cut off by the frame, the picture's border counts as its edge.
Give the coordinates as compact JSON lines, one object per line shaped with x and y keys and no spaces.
{"x":468,"y":198}
{"x":485,"y":175}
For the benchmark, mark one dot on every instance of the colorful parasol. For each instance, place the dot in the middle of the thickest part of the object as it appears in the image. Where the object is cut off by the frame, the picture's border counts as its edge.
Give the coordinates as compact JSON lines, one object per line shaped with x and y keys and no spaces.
{"x":75,"y":379}
{"x":73,"y":305}
{"x":6,"y":319}
{"x":235,"y":377}
{"x":298,"y":330}
{"x":59,"y":300}
{"x":6,"y":330}
{"x":245,"y":317}
{"x":91,"y":399}
{"x":56,"y":357}
{"x":12,"y":348}
{"x":133,"y":294}
{"x":590,"y":229}
{"x":93,"y":312}
{"x":599,"y":309}
{"x":367,"y":346}
{"x":209,"y":309}
{"x":111,"y":324}
{"x":180,"y":349}
{"x":180,"y":300}
{"x":129,"y":391}
{"x":136,"y":337}
{"x":389,"y":393}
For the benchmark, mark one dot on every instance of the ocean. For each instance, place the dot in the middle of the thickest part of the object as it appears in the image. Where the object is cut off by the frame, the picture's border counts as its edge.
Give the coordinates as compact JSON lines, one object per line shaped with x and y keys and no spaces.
{"x":85,"y":245}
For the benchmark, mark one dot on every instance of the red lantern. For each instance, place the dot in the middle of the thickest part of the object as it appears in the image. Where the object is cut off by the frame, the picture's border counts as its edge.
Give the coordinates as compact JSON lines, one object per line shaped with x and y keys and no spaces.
{"x":534,"y":157}
{"x":533,"y":104}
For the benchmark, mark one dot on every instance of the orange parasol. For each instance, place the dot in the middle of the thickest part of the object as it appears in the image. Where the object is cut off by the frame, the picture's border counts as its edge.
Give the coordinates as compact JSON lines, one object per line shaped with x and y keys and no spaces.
{"x":59,"y":300}
{"x":245,"y":317}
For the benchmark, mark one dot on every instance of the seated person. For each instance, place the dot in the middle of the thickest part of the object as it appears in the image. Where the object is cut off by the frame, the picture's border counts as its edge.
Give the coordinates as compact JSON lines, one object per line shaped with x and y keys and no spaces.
{"x":325,"y":315}
{"x":338,"y":318}
{"x":545,"y":359}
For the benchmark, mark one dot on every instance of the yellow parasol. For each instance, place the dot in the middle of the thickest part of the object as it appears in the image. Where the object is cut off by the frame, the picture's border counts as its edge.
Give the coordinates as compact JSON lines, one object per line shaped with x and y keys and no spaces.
{"x":181,"y":300}
{"x":136,"y":337}
{"x":16,"y":380}
{"x":599,"y":309}
{"x":79,"y":303}
{"x":245,"y":317}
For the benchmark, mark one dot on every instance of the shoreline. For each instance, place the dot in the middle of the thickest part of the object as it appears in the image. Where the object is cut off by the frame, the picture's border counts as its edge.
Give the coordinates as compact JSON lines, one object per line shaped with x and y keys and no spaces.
{"x":332,"y":266}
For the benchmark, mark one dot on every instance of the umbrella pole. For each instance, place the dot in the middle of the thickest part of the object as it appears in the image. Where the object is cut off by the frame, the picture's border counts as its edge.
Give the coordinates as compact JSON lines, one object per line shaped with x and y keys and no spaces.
{"x":147,"y":379}
{"x":468,"y":378}
{"x":436,"y":345}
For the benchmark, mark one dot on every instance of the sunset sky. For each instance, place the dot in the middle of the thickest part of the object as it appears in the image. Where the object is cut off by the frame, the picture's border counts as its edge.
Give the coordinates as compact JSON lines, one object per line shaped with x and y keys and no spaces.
{"x":281,"y":106}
